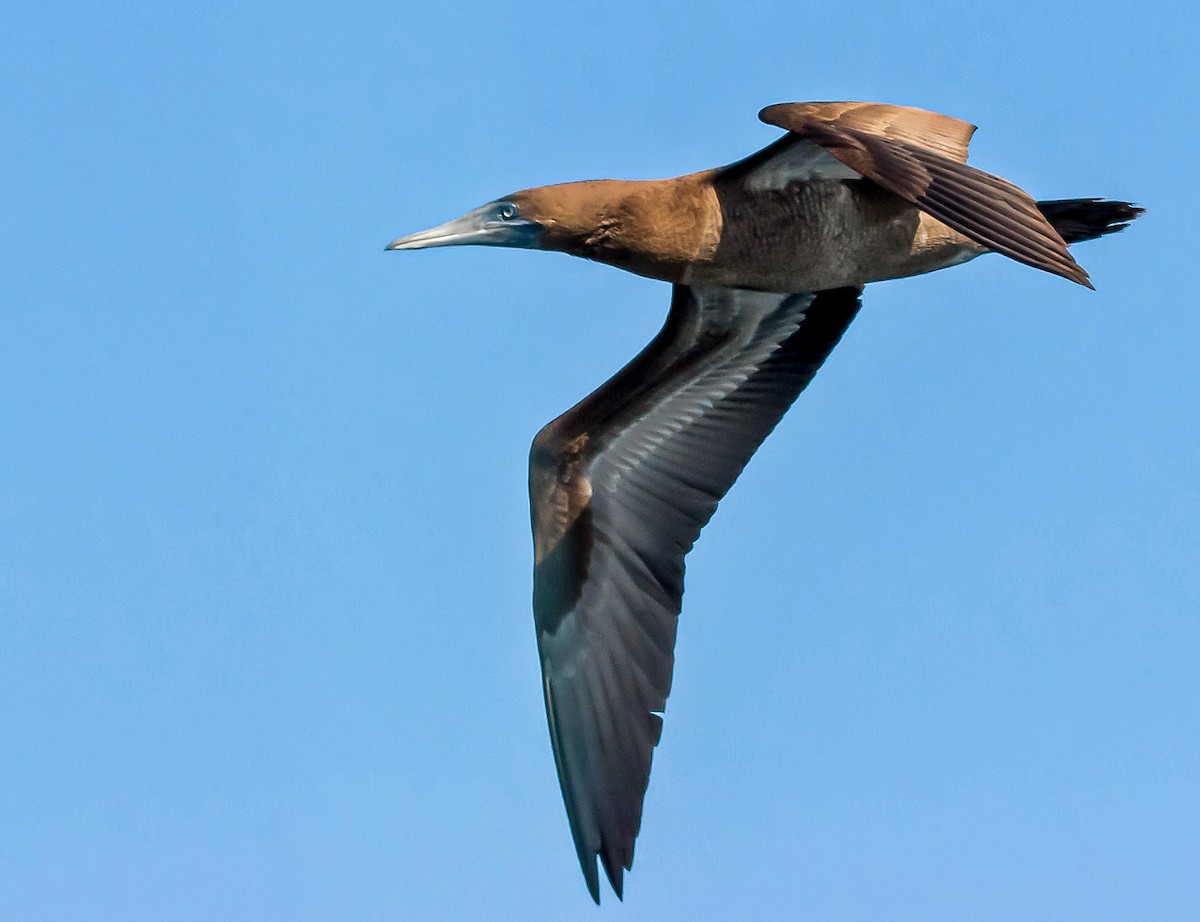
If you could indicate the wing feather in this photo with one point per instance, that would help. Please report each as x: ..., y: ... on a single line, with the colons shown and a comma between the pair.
x: 919, y: 160
x: 639, y: 467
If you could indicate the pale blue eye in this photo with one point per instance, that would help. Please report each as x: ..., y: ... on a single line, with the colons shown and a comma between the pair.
x: 507, y: 211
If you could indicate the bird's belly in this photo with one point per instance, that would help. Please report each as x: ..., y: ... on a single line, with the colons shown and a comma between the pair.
x: 819, y: 235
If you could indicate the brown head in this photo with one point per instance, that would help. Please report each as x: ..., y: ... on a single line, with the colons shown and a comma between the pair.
x: 653, y: 228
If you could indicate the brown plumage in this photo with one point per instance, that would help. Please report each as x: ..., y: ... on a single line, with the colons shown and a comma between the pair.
x: 767, y: 257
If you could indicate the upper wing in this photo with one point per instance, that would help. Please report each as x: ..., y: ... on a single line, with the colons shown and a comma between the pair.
x: 620, y: 487
x: 796, y: 159
x: 920, y: 156
x: 933, y: 131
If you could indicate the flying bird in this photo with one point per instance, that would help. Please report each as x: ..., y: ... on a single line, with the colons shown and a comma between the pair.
x: 767, y: 259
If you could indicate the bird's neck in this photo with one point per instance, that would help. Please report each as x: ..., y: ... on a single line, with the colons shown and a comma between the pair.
x: 655, y: 228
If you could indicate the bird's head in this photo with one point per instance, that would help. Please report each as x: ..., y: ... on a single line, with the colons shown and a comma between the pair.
x: 559, y: 217
x: 502, y: 223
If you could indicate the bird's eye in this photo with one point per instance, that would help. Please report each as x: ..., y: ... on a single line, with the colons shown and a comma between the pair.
x: 507, y: 211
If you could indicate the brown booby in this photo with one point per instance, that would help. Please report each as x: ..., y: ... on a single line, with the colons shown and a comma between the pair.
x: 767, y: 258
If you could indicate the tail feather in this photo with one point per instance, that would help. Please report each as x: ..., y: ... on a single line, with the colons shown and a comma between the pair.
x: 1079, y: 219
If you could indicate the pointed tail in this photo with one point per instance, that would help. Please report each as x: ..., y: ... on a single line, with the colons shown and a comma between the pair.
x: 1079, y: 219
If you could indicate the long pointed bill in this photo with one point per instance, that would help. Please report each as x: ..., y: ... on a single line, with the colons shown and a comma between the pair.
x: 481, y: 227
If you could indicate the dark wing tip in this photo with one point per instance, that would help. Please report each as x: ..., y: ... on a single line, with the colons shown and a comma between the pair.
x: 588, y: 863
x: 1074, y: 273
x: 613, y: 870
x: 1080, y: 219
x: 615, y: 873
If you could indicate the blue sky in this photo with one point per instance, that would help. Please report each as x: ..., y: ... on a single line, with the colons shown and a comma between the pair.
x: 265, y: 642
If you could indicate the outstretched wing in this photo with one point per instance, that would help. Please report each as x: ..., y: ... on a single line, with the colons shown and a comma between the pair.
x: 920, y: 156
x: 620, y: 487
